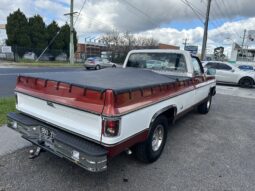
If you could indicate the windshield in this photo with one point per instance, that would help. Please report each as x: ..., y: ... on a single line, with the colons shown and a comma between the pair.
x: 158, y: 61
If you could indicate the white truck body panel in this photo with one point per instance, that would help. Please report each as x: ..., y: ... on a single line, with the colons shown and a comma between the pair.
x: 139, y: 120
x: 77, y: 121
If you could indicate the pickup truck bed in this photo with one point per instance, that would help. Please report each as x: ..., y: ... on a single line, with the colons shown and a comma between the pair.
x: 118, y: 79
x: 109, y: 92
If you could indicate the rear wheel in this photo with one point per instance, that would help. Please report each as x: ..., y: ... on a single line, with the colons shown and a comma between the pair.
x: 98, y: 67
x: 204, y: 107
x: 150, y: 150
x: 114, y: 66
x: 246, y: 82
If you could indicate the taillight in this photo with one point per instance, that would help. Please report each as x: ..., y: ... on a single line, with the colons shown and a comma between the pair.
x: 111, y: 127
x: 92, y: 62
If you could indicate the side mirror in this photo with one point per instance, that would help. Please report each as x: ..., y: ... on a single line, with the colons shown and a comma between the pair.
x: 211, y: 71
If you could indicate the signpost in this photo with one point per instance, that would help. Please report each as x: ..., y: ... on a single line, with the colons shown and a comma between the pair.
x: 6, y: 49
x: 251, y: 35
x: 191, y: 49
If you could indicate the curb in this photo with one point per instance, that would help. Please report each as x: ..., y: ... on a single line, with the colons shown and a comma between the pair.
x: 11, y: 141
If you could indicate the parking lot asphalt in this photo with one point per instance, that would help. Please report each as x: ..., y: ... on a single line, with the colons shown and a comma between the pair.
x: 8, y: 77
x: 203, y: 152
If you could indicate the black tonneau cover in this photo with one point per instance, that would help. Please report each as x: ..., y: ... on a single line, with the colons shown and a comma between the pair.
x: 117, y: 79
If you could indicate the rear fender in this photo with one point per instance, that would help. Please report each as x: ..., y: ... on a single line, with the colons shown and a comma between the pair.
x: 166, y: 110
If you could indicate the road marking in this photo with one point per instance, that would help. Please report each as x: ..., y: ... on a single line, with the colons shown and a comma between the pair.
x: 14, y: 74
x: 34, y: 72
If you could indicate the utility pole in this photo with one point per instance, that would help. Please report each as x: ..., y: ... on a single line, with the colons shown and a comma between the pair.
x: 205, y: 30
x: 185, y: 42
x: 71, y: 48
x: 244, y: 36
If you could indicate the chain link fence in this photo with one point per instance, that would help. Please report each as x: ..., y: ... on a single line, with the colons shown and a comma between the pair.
x: 116, y: 54
x: 23, y: 54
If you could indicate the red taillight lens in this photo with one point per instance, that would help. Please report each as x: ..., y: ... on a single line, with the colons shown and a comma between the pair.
x: 92, y: 61
x: 110, y: 127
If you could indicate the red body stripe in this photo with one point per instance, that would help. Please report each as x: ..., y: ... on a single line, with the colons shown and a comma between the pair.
x: 106, y: 103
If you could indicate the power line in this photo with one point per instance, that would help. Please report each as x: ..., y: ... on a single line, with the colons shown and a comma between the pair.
x: 200, y: 12
x: 141, y: 12
x: 185, y: 2
x: 224, y: 14
x: 79, y: 12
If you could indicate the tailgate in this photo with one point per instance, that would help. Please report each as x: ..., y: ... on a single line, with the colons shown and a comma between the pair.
x: 73, y: 109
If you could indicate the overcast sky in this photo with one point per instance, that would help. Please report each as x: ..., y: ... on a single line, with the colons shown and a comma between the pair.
x: 168, y: 21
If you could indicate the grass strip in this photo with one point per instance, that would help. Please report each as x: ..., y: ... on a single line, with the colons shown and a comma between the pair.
x: 6, y: 105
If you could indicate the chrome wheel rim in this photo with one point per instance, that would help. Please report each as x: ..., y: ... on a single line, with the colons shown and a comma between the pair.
x: 157, y: 137
x: 208, y: 103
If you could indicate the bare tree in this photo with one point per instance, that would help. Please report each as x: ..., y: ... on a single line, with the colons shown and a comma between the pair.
x: 121, y: 43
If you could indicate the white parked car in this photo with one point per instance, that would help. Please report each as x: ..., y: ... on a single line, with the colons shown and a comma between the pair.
x: 230, y: 74
x: 30, y: 56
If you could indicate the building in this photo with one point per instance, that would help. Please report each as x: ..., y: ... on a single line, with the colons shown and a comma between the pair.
x: 91, y: 49
x: 242, y: 56
x: 167, y: 46
x: 2, y: 34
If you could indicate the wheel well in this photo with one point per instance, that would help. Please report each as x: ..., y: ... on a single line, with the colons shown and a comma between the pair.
x: 169, y: 112
x: 246, y: 77
x: 212, y: 91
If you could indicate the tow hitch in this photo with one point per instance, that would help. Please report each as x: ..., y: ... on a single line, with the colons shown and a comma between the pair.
x: 35, y: 153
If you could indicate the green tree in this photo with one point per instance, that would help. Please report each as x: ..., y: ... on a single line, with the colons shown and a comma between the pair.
x: 52, y: 32
x: 37, y: 32
x: 17, y: 31
x: 64, y: 36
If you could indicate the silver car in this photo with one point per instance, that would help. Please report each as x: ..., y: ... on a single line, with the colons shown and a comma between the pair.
x: 97, y: 63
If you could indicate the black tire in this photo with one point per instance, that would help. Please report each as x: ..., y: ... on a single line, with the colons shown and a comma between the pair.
x: 87, y: 68
x: 145, y: 151
x: 97, y: 67
x: 246, y: 82
x: 114, y: 66
x: 204, y: 107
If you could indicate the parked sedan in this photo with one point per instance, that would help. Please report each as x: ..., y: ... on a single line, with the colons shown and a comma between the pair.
x: 97, y: 63
x: 230, y: 74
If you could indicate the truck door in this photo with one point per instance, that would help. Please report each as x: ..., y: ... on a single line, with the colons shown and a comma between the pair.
x: 201, y: 89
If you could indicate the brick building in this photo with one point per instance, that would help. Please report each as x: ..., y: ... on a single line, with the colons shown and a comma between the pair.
x: 88, y: 49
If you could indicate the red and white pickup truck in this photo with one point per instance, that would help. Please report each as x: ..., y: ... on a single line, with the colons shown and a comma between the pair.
x: 89, y: 117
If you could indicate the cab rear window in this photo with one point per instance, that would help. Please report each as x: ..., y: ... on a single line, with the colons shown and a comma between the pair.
x: 158, y: 61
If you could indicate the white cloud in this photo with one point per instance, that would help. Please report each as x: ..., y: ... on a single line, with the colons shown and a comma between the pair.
x: 144, y: 17
x: 136, y: 16
x: 224, y: 35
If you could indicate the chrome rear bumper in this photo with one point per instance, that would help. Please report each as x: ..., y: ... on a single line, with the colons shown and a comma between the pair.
x: 86, y: 154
